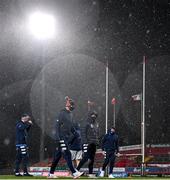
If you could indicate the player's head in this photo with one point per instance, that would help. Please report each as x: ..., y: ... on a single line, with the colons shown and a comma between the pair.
x: 25, y: 117
x: 112, y: 130
x: 70, y: 105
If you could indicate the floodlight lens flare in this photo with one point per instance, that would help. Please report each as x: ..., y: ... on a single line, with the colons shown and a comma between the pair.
x: 42, y: 26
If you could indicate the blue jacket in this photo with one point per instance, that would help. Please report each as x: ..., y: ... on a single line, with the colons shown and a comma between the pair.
x: 22, y: 132
x: 76, y: 142
x: 110, y: 142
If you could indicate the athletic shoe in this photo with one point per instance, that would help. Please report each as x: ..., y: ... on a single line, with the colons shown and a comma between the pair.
x: 101, y: 174
x: 51, y: 176
x: 111, y: 176
x: 77, y: 174
x: 27, y: 174
x: 18, y: 174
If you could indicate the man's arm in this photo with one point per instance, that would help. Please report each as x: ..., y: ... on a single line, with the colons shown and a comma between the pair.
x: 29, y: 123
x: 57, y: 126
x: 22, y: 126
x: 28, y: 128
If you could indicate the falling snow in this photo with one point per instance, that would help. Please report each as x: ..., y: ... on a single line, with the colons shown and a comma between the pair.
x: 89, y: 34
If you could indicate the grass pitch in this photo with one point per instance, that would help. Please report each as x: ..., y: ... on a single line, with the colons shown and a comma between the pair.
x: 83, y: 178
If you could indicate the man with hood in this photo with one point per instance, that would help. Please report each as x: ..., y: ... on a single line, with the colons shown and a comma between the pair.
x: 90, y: 142
x: 64, y: 135
x: 110, y: 147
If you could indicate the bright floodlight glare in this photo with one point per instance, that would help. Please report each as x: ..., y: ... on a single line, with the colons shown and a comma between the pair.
x: 41, y: 25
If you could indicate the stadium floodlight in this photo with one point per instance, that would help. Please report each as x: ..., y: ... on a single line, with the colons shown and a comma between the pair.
x: 42, y: 25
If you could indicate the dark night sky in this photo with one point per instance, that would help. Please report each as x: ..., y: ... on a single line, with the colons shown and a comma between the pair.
x: 90, y: 33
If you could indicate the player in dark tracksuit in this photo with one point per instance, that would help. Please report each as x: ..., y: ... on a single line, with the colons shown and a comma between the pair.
x: 110, y: 148
x: 64, y: 135
x: 90, y: 142
x: 22, y: 128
